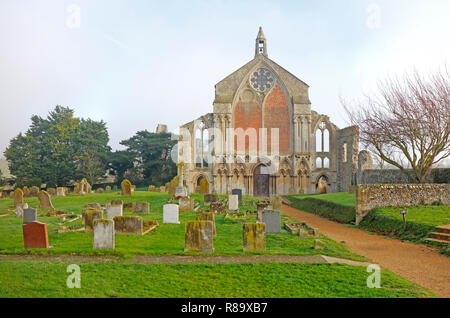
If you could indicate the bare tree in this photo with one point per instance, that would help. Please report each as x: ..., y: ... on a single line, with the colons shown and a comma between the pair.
x: 408, y: 124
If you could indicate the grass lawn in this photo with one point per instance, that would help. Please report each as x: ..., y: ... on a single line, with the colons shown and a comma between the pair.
x: 164, y: 240
x: 343, y: 198
x: 48, y: 280
x: 426, y: 215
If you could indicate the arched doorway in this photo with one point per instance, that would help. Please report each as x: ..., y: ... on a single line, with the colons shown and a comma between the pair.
x: 322, y: 185
x: 261, y: 181
x: 202, y: 185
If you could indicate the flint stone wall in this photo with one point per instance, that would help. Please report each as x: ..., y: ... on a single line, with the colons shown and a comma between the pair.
x: 369, y: 196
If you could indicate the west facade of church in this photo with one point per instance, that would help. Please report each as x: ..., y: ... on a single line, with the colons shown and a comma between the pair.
x: 264, y: 138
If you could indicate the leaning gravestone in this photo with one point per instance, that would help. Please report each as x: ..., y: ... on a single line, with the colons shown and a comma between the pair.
x: 18, y: 197
x: 170, y: 213
x: 126, y: 188
x: 272, y: 221
x: 113, y: 210
x: 238, y: 192
x: 45, y: 200
x: 186, y: 204
x: 233, y: 202
x: 88, y: 217
x: 141, y: 207
x: 103, y: 234
x: 199, y: 236
x: 254, y: 237
x: 29, y: 215
x: 19, y: 210
x: 93, y: 205
x: 210, y: 198
x: 35, y: 235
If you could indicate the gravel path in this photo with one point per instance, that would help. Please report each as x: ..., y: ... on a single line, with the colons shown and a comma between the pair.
x: 418, y: 263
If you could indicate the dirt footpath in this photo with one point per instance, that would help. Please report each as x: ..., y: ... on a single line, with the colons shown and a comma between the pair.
x: 417, y: 263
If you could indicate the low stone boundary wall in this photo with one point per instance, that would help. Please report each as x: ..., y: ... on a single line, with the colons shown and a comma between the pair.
x: 369, y: 196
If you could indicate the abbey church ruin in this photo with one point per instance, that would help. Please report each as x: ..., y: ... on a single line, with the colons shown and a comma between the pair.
x: 263, y: 137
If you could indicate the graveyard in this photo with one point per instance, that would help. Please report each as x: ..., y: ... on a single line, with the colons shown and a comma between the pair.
x: 170, y: 270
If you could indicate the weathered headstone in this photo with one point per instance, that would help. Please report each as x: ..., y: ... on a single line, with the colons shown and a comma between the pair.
x: 199, y: 236
x: 233, y: 202
x: 210, y: 198
x: 238, y: 192
x: 60, y: 192
x: 45, y: 200
x: 113, y: 210
x: 218, y: 207
x: 170, y: 213
x: 207, y: 216
x: 254, y: 237
x: 151, y: 188
x: 108, y: 189
x: 93, y: 205
x: 35, y: 235
x: 26, y: 192
x: 88, y: 218
x: 162, y: 189
x: 104, y: 234
x: 100, y: 190
x: 319, y: 245
x: 18, y: 197
x: 19, y: 210
x: 126, y: 188
x: 276, y: 203
x: 128, y: 225
x: 186, y: 204
x: 29, y: 215
x: 272, y: 221
x: 51, y: 191
x: 141, y: 207
x: 34, y: 191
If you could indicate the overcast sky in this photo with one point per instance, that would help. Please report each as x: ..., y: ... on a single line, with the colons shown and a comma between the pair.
x: 135, y: 64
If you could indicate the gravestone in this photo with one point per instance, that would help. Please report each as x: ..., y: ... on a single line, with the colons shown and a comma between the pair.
x: 207, y: 216
x: 276, y: 203
x: 170, y: 213
x: 180, y: 192
x: 29, y: 215
x: 233, y: 202
x: 19, y: 210
x: 238, y: 192
x: 88, y: 218
x: 35, y: 235
x: 128, y: 225
x: 100, y: 190
x: 26, y: 192
x: 60, y: 192
x: 51, y: 191
x: 272, y: 221
x: 254, y: 237
x: 151, y: 188
x: 162, y: 189
x: 141, y: 207
x: 103, y: 234
x: 210, y: 198
x: 34, y: 191
x: 18, y: 197
x: 108, y: 189
x: 126, y: 188
x: 45, y: 200
x: 199, y: 236
x: 186, y: 204
x: 113, y: 210
x: 93, y: 205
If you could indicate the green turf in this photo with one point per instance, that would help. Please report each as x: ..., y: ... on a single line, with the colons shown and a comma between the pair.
x: 48, y: 280
x: 343, y: 198
x: 426, y: 215
x: 166, y: 239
